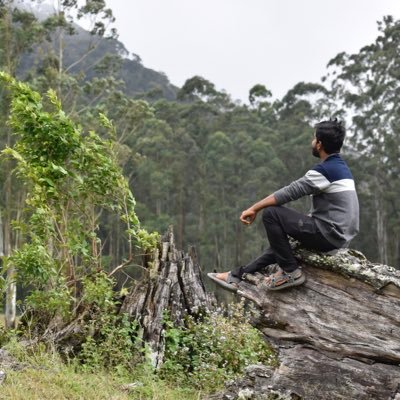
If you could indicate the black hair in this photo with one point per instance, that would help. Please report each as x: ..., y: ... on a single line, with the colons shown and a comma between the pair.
x: 331, y: 134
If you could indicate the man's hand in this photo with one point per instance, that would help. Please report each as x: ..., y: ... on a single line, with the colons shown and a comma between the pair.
x: 248, y: 216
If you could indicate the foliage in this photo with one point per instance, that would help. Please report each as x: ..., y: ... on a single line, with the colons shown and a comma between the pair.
x: 20, y: 30
x: 34, y: 264
x: 366, y: 86
x: 98, y: 291
x: 113, y: 345
x: 57, y: 300
x: 110, y: 337
x: 71, y: 177
x: 5, y: 334
x: 221, y: 158
x: 211, y: 349
x: 258, y: 92
x: 206, y: 353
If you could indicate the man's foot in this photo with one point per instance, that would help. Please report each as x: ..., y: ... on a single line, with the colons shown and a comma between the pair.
x: 281, y: 279
x: 222, y: 275
x: 226, y: 280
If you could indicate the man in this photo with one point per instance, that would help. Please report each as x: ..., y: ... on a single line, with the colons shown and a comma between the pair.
x: 332, y: 223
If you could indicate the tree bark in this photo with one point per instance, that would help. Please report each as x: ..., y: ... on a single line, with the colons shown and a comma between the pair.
x: 11, y: 291
x: 337, y: 336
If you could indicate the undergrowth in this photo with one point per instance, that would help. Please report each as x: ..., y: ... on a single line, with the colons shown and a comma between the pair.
x: 43, y: 375
x: 213, y: 348
x: 199, y: 357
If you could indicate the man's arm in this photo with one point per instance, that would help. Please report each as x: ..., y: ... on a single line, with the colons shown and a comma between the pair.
x: 313, y: 182
x: 249, y: 215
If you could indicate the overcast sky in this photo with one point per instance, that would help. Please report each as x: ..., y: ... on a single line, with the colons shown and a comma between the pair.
x: 238, y: 43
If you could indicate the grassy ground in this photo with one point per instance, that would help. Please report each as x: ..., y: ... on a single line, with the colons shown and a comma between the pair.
x: 64, y: 383
x: 46, y: 377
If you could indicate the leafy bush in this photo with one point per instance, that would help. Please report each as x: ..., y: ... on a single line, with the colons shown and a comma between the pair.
x: 34, y: 264
x: 98, y: 290
x: 47, y: 304
x: 111, y: 338
x: 213, y: 349
x: 113, y: 346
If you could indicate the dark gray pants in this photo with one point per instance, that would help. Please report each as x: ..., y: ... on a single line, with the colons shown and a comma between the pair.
x: 281, y: 222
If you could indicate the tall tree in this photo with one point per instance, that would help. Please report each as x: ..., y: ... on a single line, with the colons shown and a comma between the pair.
x: 367, y: 85
x: 19, y: 32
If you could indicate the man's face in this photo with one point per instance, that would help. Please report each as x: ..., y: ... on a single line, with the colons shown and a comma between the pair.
x: 314, y: 146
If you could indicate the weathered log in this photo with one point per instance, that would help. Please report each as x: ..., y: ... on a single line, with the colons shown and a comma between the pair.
x: 337, y: 336
x: 173, y: 285
x: 325, y: 378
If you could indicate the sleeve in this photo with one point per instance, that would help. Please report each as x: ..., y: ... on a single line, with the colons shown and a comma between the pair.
x: 313, y: 182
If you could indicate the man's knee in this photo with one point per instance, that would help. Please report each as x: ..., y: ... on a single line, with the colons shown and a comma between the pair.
x: 270, y: 213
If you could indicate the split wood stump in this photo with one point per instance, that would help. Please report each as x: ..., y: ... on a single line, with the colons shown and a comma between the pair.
x: 173, y: 285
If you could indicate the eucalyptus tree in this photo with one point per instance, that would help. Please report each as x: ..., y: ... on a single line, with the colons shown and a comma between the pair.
x: 19, y: 32
x: 368, y: 86
x: 61, y: 26
x: 219, y: 155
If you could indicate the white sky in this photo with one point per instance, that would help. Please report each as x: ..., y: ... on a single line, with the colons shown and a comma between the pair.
x: 238, y: 43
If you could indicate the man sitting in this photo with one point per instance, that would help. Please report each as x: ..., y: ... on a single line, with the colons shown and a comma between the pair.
x: 332, y: 223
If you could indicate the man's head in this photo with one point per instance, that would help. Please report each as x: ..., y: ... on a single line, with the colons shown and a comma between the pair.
x: 329, y: 137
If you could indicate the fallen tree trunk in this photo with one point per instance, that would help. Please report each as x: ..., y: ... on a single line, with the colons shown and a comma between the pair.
x: 337, y: 336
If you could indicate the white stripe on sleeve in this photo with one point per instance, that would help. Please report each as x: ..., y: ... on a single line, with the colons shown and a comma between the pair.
x: 341, y: 185
x: 317, y: 179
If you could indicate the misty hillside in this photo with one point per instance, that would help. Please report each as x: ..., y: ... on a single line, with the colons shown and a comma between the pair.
x: 137, y: 78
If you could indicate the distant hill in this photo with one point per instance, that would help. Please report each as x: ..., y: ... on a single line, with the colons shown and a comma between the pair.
x: 138, y: 79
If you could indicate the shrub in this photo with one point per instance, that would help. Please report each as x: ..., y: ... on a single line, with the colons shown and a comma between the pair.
x: 113, y: 345
x: 216, y: 347
x: 110, y: 340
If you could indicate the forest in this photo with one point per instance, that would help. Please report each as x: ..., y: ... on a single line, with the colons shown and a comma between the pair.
x: 100, y: 155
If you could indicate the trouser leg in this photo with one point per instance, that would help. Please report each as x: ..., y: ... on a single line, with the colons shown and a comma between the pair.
x: 281, y: 222
x: 278, y: 222
x: 259, y: 263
